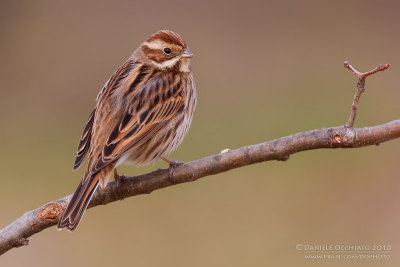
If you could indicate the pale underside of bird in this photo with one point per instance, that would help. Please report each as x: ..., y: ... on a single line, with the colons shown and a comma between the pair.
x: 142, y: 114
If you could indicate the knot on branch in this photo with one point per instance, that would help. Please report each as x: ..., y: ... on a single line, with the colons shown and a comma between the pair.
x: 21, y: 242
x: 337, y: 139
x: 283, y: 157
x: 345, y: 137
x: 50, y: 212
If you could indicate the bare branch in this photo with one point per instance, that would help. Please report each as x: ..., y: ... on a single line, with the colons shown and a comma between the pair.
x: 34, y: 221
x: 360, y: 87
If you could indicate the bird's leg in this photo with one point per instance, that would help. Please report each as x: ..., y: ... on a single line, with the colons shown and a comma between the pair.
x: 119, y: 179
x: 172, y: 165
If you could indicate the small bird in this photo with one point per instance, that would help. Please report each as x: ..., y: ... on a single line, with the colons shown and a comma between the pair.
x: 142, y: 113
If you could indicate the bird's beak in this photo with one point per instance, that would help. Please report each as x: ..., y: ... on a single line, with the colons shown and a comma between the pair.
x: 187, y: 54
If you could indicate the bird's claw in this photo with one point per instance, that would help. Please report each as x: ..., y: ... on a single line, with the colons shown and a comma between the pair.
x: 172, y: 165
x: 119, y: 180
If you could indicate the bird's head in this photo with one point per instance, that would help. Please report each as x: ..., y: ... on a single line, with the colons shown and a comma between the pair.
x: 167, y: 50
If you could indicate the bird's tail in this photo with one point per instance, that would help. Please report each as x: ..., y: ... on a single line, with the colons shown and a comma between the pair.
x: 79, y: 202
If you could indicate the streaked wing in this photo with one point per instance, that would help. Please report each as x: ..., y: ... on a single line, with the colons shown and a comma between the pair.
x: 153, y: 105
x: 84, y: 142
x: 116, y: 79
x: 112, y: 83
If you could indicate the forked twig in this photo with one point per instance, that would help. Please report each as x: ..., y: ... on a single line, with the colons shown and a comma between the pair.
x: 360, y: 88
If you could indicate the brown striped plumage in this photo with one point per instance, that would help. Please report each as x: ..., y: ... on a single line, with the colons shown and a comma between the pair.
x: 143, y: 113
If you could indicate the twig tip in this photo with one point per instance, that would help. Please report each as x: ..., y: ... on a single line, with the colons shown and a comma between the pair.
x: 383, y: 67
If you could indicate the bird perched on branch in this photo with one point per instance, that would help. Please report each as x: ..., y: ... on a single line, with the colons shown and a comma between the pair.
x: 142, y: 113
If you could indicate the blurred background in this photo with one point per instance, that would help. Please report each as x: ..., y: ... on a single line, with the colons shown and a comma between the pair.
x: 263, y: 70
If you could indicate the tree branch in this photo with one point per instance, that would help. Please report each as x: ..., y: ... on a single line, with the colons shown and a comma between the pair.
x: 34, y: 221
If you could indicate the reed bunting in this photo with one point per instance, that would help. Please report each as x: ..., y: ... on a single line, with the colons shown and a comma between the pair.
x: 142, y: 113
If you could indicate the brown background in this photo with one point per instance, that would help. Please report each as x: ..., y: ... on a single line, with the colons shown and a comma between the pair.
x: 263, y: 70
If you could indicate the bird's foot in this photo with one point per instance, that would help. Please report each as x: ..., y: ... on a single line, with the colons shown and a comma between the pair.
x: 172, y: 165
x: 119, y: 179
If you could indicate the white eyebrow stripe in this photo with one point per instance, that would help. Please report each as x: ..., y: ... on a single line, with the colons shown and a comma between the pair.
x: 155, y: 44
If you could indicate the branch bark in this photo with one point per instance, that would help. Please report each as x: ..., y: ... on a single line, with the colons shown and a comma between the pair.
x: 34, y: 221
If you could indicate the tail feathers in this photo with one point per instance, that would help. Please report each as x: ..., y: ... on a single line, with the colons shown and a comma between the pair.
x: 79, y: 202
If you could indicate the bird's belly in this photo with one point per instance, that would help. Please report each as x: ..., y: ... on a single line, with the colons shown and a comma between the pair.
x: 163, y: 142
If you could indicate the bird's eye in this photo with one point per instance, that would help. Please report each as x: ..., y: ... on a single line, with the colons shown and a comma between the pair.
x: 167, y: 51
